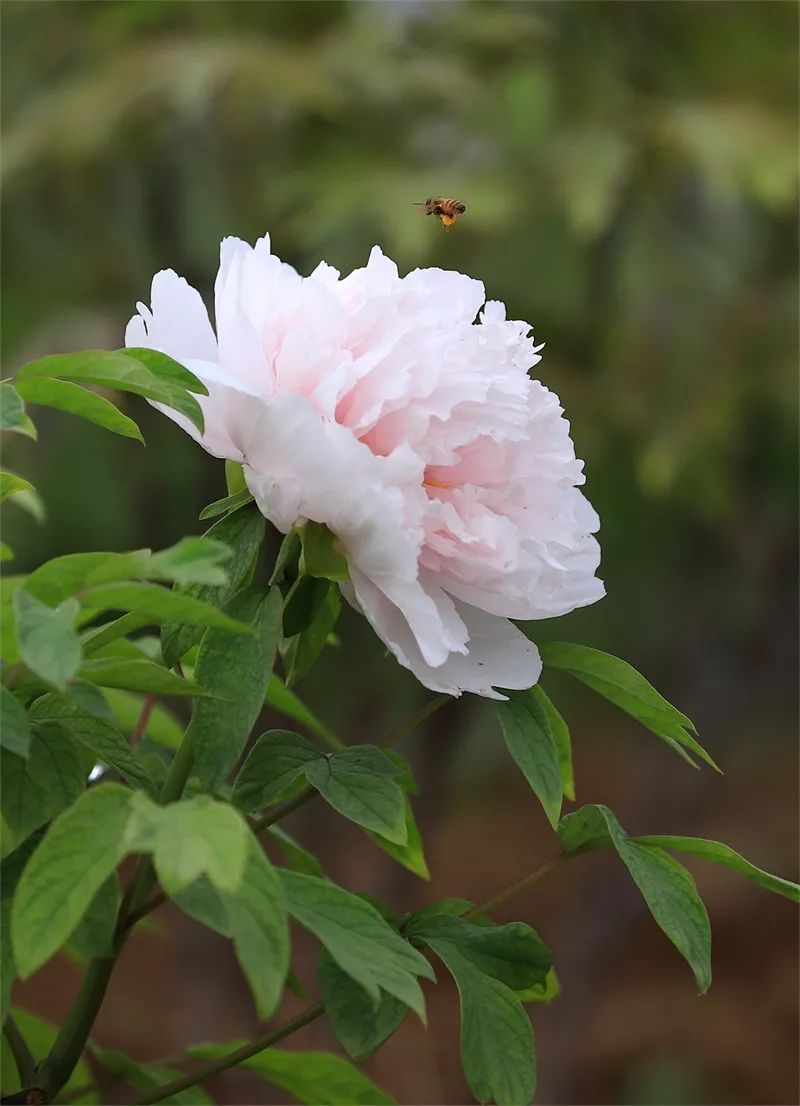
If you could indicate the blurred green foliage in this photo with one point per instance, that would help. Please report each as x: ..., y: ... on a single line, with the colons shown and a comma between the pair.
x: 629, y: 171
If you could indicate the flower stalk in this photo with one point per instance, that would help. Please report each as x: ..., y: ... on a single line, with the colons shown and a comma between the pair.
x: 231, y: 1059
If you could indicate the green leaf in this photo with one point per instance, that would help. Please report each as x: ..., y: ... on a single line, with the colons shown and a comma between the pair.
x: 260, y: 930
x: 75, y: 400
x: 280, y: 698
x: 234, y: 477
x: 6, y: 552
x: 410, y: 855
x: 166, y: 368
x: 201, y: 901
x: 319, y: 554
x: 358, y: 782
x: 277, y: 759
x: 11, y: 869
x: 526, y: 730
x: 363, y: 945
x: 46, y: 638
x: 147, y: 1077
x: 8, y: 586
x: 559, y: 731
x: 541, y: 992
x: 94, y: 935
x: 303, y: 651
x: 242, y: 533
x: 98, y: 734
x: 61, y: 577
x: 618, y: 682
x: 193, y: 560
x: 450, y: 906
x: 40, y: 1036
x: 255, y: 917
x: 124, y: 371
x: 666, y: 886
x: 305, y: 597
x: 226, y: 505
x: 287, y: 558
x: 36, y: 789
x: 77, y: 854
x: 159, y: 605
x: 497, y: 1049
x: 237, y: 670
x: 98, y: 637
x: 90, y: 699
x: 311, y: 1077
x: 12, y: 412
x: 359, y: 1025
x: 188, y: 839
x: 138, y: 675
x: 514, y: 954
x: 29, y: 501
x: 11, y: 484
x: 297, y: 858
x: 718, y: 853
x: 15, y: 730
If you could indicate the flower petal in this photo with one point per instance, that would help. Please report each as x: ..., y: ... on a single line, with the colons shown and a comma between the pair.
x: 300, y: 466
x: 498, y: 654
x: 176, y: 324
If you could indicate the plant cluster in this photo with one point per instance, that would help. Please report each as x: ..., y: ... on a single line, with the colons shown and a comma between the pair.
x: 97, y: 768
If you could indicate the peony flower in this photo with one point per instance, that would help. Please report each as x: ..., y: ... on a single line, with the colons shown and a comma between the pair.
x: 377, y: 406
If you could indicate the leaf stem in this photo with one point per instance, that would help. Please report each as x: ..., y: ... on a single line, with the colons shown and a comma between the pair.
x: 23, y: 1057
x: 415, y: 720
x: 521, y: 885
x: 144, y: 718
x: 270, y: 817
x: 230, y: 1059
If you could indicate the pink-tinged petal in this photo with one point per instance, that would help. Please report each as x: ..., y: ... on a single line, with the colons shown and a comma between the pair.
x: 302, y: 467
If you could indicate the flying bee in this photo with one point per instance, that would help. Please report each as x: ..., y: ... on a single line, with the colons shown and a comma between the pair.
x: 446, y: 210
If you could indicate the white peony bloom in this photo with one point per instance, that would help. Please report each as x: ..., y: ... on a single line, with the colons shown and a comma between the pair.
x: 377, y: 406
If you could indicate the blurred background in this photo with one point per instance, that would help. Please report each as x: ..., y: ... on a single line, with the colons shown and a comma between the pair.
x: 629, y: 171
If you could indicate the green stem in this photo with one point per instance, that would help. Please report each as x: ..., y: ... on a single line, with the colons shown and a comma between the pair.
x: 231, y: 1059
x: 179, y: 770
x: 415, y: 720
x: 270, y: 817
x: 71, y: 1040
x: 515, y: 888
x: 23, y: 1057
x: 69, y: 1044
